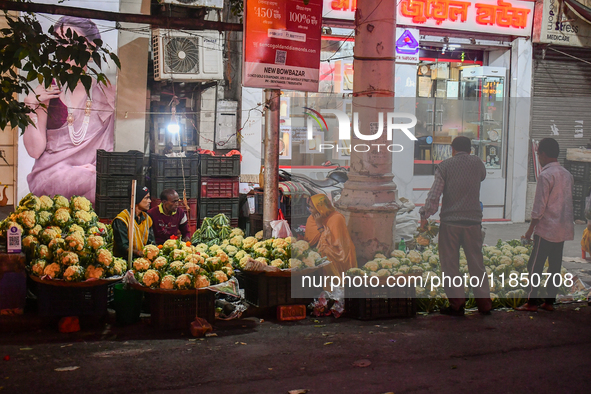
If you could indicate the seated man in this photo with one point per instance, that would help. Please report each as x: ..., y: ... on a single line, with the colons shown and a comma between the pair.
x: 169, y: 219
x: 142, y: 234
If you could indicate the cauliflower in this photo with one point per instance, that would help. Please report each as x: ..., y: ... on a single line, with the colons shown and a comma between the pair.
x: 95, y: 272
x: 159, y: 263
x: 355, y: 272
x: 75, y: 241
x: 505, y: 260
x: 231, y: 250
x: 308, y: 262
x: 178, y: 254
x: 176, y: 267
x: 183, y: 282
x: 220, y: 276
x: 427, y: 254
x: 60, y: 202
x: 95, y: 242
x: 398, y: 254
x: 69, y: 258
x: 30, y: 201
x: 194, y: 258
x: 243, y: 261
x: 167, y: 282
x: 83, y: 218
x: 61, y: 217
x: 53, y: 270
x: 35, y: 231
x: 315, y: 256
x: 371, y: 266
x: 277, y: 263
x: 395, y: 262
x: 383, y: 273
x: 151, y: 278
x: 261, y: 252
x: 300, y: 247
x: 151, y: 252
x: 104, y: 257
x: 45, y: 203
x: 248, y: 243
x: 520, y: 250
x: 38, y: 266
x: 279, y: 243
x: 43, y: 252
x: 414, y: 257
x: 379, y: 256
x: 74, y: 273
x: 169, y: 245
x: 201, y: 248
x: 434, y: 260
x: 27, y: 219
x: 30, y: 242
x: 191, y: 268
x: 44, y: 218
x: 262, y: 260
x: 201, y: 282
x: 228, y: 271
x: 222, y: 256
x: 236, y: 232
x: 141, y: 264
x: 80, y: 204
x: 386, y: 264
x: 294, y: 263
x: 118, y: 267
x: 259, y: 235
x: 236, y: 241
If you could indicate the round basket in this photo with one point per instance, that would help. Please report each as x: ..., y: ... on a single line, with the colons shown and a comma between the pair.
x: 166, y: 291
x: 86, y: 283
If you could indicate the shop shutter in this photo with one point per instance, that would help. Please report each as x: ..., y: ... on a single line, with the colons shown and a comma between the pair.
x: 561, y: 98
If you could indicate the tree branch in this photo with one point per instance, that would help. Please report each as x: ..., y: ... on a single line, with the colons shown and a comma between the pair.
x: 154, y: 21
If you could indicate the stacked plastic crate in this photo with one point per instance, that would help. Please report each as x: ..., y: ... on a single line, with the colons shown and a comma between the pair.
x: 219, y: 187
x: 114, y: 173
x: 294, y: 208
x: 180, y: 174
x: 581, y: 172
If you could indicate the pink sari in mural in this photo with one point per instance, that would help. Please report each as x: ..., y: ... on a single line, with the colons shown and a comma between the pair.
x: 64, y: 167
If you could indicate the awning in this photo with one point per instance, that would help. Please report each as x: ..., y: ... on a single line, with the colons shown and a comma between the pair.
x: 581, y: 8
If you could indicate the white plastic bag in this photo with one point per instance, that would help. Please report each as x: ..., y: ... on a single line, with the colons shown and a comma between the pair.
x: 281, y: 229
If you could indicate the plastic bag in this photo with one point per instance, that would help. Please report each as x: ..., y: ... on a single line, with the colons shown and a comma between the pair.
x: 329, y: 303
x: 280, y: 227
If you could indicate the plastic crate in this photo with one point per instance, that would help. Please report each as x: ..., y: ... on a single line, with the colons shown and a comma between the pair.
x: 581, y: 171
x: 380, y: 302
x: 178, y: 311
x: 119, y: 163
x: 581, y: 190
x: 109, y: 208
x: 291, y: 207
x: 219, y: 187
x: 256, y: 224
x: 219, y: 165
x: 116, y: 186
x: 192, y: 206
x: 579, y: 209
x: 174, y: 167
x: 161, y: 184
x: 209, y: 207
x: 267, y: 291
x: 72, y: 301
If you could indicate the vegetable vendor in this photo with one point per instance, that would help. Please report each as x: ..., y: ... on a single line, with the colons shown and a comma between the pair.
x: 143, y: 233
x: 169, y: 218
x: 327, y: 229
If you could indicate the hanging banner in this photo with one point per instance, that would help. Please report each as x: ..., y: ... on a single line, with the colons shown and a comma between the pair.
x: 282, y: 44
x: 556, y: 24
x: 511, y: 17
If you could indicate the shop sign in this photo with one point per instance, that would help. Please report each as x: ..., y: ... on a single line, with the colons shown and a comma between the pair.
x: 512, y: 17
x: 282, y: 44
x: 407, y: 45
x: 563, y: 28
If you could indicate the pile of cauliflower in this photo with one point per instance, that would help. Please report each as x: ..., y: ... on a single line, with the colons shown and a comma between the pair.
x: 504, y: 258
x: 63, y: 238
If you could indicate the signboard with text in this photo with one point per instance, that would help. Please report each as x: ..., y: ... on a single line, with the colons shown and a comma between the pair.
x: 511, y: 17
x: 562, y: 28
x: 407, y: 45
x: 282, y: 41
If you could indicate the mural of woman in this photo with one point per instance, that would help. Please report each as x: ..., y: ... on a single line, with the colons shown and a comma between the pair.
x: 67, y: 134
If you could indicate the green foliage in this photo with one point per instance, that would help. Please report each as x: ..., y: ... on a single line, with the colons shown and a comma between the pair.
x: 237, y: 8
x: 28, y: 54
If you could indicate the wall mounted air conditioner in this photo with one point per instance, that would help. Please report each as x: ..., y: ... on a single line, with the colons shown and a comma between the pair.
x: 196, y: 3
x: 180, y: 56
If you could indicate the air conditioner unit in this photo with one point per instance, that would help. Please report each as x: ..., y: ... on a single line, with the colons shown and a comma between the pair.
x: 180, y: 56
x: 196, y: 3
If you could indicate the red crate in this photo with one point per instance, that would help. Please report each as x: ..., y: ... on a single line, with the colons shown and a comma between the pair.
x: 291, y: 312
x: 192, y: 206
x: 219, y: 187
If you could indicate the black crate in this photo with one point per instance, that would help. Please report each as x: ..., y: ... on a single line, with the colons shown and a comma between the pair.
x: 178, y: 311
x: 256, y: 224
x: 209, y: 207
x: 71, y: 301
x: 190, y: 183
x: 267, y: 291
x: 219, y: 165
x: 119, y: 163
x: 380, y: 302
x: 109, y: 208
x: 581, y: 190
x: 579, y: 209
x: 290, y: 206
x: 174, y: 167
x: 116, y: 186
x: 581, y: 171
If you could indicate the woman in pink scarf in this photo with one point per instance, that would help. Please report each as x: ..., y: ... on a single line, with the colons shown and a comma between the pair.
x: 67, y: 134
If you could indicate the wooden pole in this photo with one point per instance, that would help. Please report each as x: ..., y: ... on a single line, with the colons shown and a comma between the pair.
x: 271, y: 144
x: 131, y: 227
